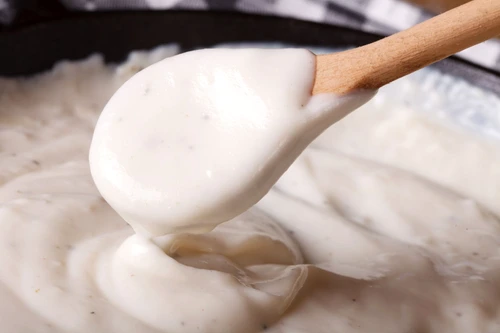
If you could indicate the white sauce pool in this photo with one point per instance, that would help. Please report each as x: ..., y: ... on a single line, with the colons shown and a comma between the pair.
x: 388, y: 222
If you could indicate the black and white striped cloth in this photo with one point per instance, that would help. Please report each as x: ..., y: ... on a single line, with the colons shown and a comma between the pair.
x: 380, y: 16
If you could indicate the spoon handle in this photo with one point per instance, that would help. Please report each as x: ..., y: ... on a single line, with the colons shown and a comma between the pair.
x: 377, y: 64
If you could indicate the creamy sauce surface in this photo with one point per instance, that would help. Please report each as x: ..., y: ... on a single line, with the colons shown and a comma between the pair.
x: 199, y: 138
x: 388, y: 222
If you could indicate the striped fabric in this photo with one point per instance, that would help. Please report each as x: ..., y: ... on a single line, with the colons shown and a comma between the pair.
x: 380, y: 16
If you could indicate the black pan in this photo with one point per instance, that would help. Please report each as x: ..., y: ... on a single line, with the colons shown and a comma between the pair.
x: 33, y: 48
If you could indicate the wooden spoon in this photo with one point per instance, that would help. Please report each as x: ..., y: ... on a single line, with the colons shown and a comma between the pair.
x: 377, y: 64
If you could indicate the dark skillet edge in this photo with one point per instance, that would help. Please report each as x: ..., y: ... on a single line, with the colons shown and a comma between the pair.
x: 34, y: 47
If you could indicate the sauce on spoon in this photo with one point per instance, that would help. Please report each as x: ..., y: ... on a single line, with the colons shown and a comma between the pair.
x: 199, y: 138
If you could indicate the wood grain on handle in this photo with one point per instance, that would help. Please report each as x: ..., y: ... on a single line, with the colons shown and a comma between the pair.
x: 375, y: 65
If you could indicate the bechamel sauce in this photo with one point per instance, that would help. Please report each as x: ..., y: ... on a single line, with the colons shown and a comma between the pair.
x: 197, y: 139
x: 388, y: 222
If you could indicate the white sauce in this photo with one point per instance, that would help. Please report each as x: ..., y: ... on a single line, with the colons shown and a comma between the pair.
x: 388, y: 222
x: 199, y: 138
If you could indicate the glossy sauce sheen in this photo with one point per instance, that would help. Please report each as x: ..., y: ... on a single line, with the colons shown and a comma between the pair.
x: 199, y: 138
x: 387, y: 222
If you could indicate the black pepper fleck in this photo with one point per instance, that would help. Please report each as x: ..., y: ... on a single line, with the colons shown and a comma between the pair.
x: 459, y: 314
x: 264, y: 327
x: 354, y: 300
x: 475, y: 253
x: 92, y: 312
x: 36, y: 162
